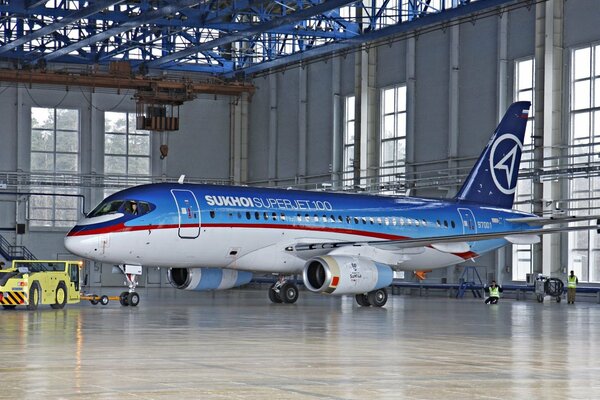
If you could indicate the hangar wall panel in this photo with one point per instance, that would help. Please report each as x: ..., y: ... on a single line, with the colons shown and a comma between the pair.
x: 581, y: 22
x: 258, y: 136
x: 287, y: 123
x: 431, y: 87
x: 478, y: 85
x: 319, y: 118
x: 391, y: 64
x: 521, y: 33
x: 201, y: 146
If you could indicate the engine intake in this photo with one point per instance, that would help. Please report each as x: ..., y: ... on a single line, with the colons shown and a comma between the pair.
x: 200, y: 279
x: 345, y: 275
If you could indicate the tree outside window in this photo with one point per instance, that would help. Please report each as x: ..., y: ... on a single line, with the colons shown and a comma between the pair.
x: 54, y: 150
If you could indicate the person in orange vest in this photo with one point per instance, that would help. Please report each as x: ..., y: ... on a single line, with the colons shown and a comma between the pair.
x: 494, y: 291
x: 572, y: 282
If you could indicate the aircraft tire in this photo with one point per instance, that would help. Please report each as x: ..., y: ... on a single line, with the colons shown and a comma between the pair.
x: 133, y: 299
x: 274, y: 296
x: 34, y: 296
x: 104, y: 300
x: 362, y: 300
x: 124, y: 299
x: 378, y: 297
x: 288, y: 293
x: 60, y: 296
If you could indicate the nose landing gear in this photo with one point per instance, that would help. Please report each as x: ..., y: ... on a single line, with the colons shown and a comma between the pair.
x: 131, y: 272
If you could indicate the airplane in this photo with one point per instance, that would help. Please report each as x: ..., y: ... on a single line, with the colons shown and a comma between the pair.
x: 214, y: 237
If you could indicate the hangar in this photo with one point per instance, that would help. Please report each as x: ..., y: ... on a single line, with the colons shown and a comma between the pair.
x: 378, y: 97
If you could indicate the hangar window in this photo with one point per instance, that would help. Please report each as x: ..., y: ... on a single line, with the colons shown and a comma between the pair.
x: 54, y: 150
x: 584, y: 246
x: 349, y: 118
x: 393, y: 136
x: 524, y: 90
x: 126, y: 149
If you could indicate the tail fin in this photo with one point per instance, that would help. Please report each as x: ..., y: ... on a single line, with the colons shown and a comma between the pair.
x: 493, y: 179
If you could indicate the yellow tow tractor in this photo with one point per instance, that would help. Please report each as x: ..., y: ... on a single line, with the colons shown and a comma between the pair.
x: 34, y: 282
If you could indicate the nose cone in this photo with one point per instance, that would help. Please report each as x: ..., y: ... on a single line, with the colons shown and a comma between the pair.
x: 78, y: 245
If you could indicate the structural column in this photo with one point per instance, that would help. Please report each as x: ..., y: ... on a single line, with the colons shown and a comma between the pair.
x: 238, y: 126
x: 272, y: 163
x: 547, y: 135
x: 302, y: 123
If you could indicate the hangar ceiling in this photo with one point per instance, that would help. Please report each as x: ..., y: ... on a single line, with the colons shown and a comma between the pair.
x: 224, y: 38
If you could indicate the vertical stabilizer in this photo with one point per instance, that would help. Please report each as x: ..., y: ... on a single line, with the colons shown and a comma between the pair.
x: 493, y: 179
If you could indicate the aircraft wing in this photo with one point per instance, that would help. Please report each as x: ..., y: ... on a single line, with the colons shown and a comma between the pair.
x: 539, y: 221
x: 451, y: 244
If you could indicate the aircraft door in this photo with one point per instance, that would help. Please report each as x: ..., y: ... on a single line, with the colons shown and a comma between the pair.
x: 189, y: 213
x: 469, y: 224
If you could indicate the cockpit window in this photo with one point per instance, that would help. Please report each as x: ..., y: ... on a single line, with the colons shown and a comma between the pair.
x: 106, y: 208
x: 128, y: 207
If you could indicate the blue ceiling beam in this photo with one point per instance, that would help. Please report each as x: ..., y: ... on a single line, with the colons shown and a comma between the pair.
x: 48, y: 29
x: 402, y: 27
x: 253, y: 30
x: 143, y: 18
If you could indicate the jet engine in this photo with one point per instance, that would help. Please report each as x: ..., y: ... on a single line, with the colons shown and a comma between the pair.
x: 345, y: 275
x: 207, y: 278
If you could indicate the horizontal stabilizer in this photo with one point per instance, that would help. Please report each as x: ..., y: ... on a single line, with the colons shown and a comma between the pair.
x: 540, y: 221
x: 457, y: 247
x: 522, y: 239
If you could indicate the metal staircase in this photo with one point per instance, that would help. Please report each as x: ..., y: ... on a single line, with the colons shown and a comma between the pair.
x: 467, y: 282
x: 11, y: 252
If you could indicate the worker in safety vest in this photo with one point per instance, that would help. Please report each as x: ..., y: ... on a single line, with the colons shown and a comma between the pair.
x: 572, y: 282
x: 494, y: 291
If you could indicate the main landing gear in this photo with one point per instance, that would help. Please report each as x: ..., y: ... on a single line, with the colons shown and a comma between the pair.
x: 283, y: 291
x: 130, y: 297
x: 376, y: 298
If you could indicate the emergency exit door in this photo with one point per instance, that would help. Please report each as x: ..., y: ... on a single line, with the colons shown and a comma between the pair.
x: 469, y: 224
x: 189, y: 213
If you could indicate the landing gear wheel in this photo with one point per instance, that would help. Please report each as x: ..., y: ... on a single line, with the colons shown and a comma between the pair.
x: 540, y: 298
x: 61, y: 296
x: 273, y: 295
x: 34, y: 296
x: 8, y: 306
x: 104, y: 300
x: 288, y: 293
x: 133, y: 299
x: 362, y: 300
x: 378, y: 297
x: 124, y: 299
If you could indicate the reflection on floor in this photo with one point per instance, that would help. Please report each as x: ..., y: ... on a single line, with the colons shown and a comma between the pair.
x: 235, y: 344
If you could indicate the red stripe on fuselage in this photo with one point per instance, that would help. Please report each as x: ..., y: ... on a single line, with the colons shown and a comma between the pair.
x: 120, y: 227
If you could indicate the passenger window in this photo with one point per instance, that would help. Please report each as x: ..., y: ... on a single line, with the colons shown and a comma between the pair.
x: 409, y: 221
x: 424, y: 222
x: 266, y: 216
x: 364, y: 220
x: 417, y: 222
x: 453, y: 224
x: 316, y: 218
x: 324, y: 218
x: 438, y: 223
x: 212, y: 214
x: 282, y: 215
x: 379, y: 220
x: 387, y: 221
x: 307, y: 217
x: 299, y: 217
x: 248, y: 215
x: 394, y: 221
x: 445, y: 224
x: 401, y: 221
x: 356, y: 220
x: 274, y: 215
x: 340, y: 219
x: 257, y: 215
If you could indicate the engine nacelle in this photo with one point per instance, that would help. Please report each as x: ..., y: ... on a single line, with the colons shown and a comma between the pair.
x: 345, y: 275
x: 207, y: 278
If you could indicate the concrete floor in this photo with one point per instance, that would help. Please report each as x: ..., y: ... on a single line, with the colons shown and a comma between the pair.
x: 236, y: 345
